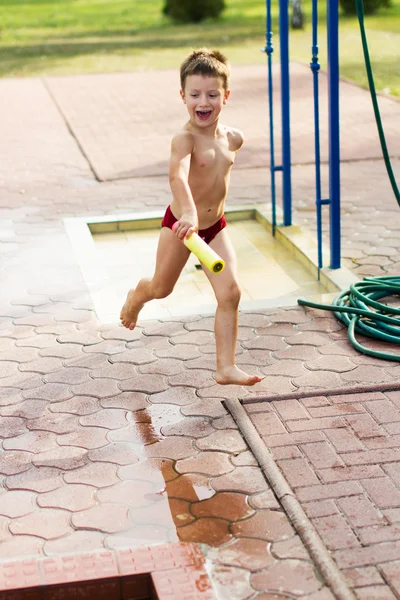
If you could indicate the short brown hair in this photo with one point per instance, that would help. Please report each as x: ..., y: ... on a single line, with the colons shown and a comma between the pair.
x: 205, y: 62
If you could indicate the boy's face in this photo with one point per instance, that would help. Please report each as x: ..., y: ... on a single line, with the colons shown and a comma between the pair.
x: 204, y: 97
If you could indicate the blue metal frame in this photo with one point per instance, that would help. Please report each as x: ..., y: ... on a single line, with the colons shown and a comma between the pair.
x: 334, y: 139
x: 269, y: 50
x: 334, y: 136
x: 285, y: 168
x: 285, y: 103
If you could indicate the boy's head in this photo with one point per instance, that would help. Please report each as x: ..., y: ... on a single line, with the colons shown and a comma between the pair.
x: 205, y: 62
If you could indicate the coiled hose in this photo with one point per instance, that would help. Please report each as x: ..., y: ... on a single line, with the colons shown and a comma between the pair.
x: 359, y: 308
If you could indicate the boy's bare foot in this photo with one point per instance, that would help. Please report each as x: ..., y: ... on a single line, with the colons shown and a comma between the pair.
x: 130, y: 311
x: 234, y: 375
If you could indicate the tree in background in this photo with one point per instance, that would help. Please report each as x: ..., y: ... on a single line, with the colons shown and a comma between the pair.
x: 370, y: 6
x: 297, y: 20
x: 193, y: 11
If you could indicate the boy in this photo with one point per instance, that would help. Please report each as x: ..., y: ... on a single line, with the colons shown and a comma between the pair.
x: 202, y: 155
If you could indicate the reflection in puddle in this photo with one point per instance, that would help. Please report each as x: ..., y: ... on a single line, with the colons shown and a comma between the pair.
x: 157, y: 496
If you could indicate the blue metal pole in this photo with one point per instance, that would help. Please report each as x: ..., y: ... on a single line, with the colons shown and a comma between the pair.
x: 334, y: 137
x: 285, y: 102
x: 269, y: 50
x: 315, y: 66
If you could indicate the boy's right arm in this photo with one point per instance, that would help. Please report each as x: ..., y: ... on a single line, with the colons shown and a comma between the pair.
x: 181, y: 152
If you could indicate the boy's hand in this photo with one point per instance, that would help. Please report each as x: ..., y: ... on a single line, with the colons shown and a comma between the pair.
x: 185, y: 226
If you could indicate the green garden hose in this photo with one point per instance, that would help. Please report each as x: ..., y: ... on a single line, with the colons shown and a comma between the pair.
x: 360, y: 15
x: 360, y: 310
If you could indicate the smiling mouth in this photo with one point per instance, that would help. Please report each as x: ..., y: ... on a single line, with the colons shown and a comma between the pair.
x: 203, y: 114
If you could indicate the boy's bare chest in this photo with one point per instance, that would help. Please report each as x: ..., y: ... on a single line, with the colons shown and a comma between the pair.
x: 211, y: 156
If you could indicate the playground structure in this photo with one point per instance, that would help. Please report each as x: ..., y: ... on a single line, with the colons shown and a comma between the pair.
x: 333, y: 117
x: 334, y: 143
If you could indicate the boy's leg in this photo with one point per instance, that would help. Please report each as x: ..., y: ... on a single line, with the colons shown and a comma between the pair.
x: 172, y: 256
x: 227, y: 292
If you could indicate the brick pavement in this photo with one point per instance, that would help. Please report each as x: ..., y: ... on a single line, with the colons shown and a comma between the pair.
x: 96, y: 454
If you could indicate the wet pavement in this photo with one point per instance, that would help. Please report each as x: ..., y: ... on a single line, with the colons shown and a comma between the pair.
x: 116, y: 440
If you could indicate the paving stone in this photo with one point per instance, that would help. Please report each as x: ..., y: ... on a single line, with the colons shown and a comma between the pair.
x: 57, y: 423
x: 66, y: 458
x: 51, y: 392
x: 297, y: 472
x: 131, y: 401
x: 176, y: 395
x: 33, y: 441
x: 8, y: 368
x: 321, y: 455
x: 379, y: 533
x: 21, y: 546
x: 265, y: 499
x: 116, y: 453
x: 108, y: 518
x: 196, y: 427
x: 208, y: 407
x: 242, y: 479
x: 164, y: 366
x: 382, y: 492
x: 80, y: 405
x: 133, y: 494
x: 376, y: 592
x: 45, y: 366
x: 141, y: 536
x: 175, y: 448
x: 291, y: 548
x: 196, y: 378
x: 330, y: 490
x: 72, y: 376
x: 233, y: 582
x: 321, y: 508
x: 363, y: 576
x: 184, y: 352
x: 290, y: 575
x: 335, y: 532
x: 47, y: 523
x: 345, y: 473
x: 37, y: 479
x: 267, y: 525
x: 207, y: 463
x: 392, y: 574
x: 247, y: 554
x: 192, y: 488
x: 12, y: 426
x: 344, y: 440
x: 61, y: 351
x: 14, y: 462
x: 225, y: 505
x: 28, y: 409
x: 180, y: 511
x: 159, y: 470
x: 224, y: 423
x: 225, y: 441
x: 96, y: 474
x: 104, y: 388
x: 370, y: 555
x: 284, y: 452
x: 267, y: 423
x: 139, y: 434
x: 17, y: 503
x: 213, y: 532
x: 108, y: 418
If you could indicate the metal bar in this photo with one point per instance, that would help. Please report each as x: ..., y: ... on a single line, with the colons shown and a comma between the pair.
x: 315, y: 66
x: 285, y: 102
x: 269, y: 50
x: 334, y: 136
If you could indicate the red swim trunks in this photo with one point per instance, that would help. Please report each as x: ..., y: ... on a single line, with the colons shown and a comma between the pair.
x: 206, y: 234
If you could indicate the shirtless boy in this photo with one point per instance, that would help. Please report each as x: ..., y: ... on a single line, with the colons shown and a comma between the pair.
x: 202, y: 155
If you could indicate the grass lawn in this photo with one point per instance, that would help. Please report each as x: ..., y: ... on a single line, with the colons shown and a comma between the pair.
x: 49, y: 37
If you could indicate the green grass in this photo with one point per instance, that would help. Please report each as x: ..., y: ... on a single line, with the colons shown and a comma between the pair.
x: 53, y: 37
